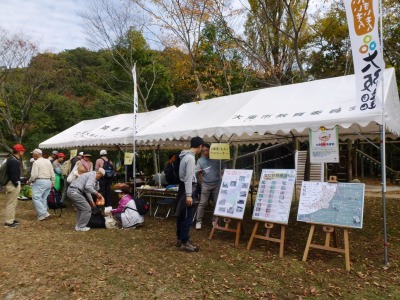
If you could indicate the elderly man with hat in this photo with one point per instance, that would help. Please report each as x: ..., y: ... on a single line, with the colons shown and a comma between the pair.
x: 80, y: 192
x: 42, y: 177
x: 13, y: 186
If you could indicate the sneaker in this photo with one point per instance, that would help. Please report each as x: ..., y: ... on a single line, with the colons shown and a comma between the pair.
x: 16, y: 222
x: 82, y: 228
x: 188, y: 247
x: 42, y: 218
x: 12, y: 225
x: 47, y: 214
x: 198, y: 225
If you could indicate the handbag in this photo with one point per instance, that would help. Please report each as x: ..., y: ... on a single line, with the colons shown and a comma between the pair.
x: 97, y: 219
x: 111, y: 223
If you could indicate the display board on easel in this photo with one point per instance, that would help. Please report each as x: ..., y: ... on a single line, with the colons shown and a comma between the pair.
x: 231, y: 201
x: 232, y: 197
x: 332, y: 205
x: 274, y: 198
x: 335, y: 204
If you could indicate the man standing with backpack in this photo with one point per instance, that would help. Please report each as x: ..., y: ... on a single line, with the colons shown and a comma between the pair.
x: 187, y: 185
x: 106, y: 180
x: 13, y: 185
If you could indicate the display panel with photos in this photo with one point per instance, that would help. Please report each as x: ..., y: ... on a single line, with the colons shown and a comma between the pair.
x: 274, y: 195
x: 233, y: 193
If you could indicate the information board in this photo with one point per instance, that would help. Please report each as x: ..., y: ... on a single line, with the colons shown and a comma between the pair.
x: 128, y: 158
x: 337, y: 204
x: 233, y: 193
x: 274, y: 196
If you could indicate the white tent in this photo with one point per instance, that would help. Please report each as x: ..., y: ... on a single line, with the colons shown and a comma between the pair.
x: 102, y: 132
x: 267, y: 115
x: 279, y: 113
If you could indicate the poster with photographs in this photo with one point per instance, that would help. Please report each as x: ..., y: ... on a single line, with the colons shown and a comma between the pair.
x: 274, y: 196
x: 233, y: 193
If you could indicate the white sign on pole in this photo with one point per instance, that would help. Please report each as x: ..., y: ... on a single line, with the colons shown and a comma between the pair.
x: 233, y: 193
x: 324, y: 145
x: 274, y: 196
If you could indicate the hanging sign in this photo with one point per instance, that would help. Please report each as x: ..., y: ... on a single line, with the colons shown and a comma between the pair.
x: 220, y: 151
x: 128, y: 158
x: 324, y: 145
x: 73, y: 153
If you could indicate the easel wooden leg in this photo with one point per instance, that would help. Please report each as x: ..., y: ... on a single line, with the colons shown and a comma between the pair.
x: 309, y: 240
x: 282, y: 242
x: 214, y: 227
x: 238, y: 233
x: 250, y: 243
x: 346, y: 248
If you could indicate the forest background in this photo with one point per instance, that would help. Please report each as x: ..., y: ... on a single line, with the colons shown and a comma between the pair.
x: 185, y: 50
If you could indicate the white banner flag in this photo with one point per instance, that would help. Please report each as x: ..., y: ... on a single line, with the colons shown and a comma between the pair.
x: 363, y: 17
x: 135, y: 99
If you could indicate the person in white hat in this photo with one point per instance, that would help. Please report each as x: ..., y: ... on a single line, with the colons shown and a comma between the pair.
x: 80, y: 192
x: 105, y: 182
x: 42, y: 178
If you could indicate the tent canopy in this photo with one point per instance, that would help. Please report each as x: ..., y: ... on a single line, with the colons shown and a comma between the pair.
x: 102, y: 132
x: 268, y: 115
x: 280, y: 113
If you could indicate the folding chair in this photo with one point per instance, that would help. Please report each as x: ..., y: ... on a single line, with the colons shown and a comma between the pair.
x: 168, y: 203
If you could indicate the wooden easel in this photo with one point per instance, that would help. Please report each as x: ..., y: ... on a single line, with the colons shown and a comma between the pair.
x: 329, y: 230
x: 267, y: 236
x: 227, y: 228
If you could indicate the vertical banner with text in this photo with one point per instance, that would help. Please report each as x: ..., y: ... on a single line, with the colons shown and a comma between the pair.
x: 362, y: 18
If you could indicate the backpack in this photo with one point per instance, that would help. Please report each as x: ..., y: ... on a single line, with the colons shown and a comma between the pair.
x: 142, y: 206
x: 66, y: 168
x: 3, y: 174
x: 109, y: 168
x: 172, y: 171
x: 54, y: 200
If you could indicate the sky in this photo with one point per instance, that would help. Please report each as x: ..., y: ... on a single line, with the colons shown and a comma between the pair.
x: 54, y: 24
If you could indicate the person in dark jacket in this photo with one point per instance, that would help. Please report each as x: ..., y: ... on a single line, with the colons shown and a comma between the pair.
x: 187, y: 185
x: 13, y: 186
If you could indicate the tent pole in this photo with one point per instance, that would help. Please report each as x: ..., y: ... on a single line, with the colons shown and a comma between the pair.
x: 383, y: 143
x: 126, y: 168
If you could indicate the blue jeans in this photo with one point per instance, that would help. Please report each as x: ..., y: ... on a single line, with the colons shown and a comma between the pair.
x: 183, y: 223
x: 40, y: 191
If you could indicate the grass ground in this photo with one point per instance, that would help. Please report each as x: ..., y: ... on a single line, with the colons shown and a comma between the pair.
x: 49, y: 260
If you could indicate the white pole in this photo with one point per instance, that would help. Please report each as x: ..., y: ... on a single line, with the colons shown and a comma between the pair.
x: 383, y: 146
x: 135, y: 110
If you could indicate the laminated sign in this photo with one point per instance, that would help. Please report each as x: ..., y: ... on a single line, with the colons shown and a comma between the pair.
x: 324, y: 145
x: 128, y: 158
x: 220, y: 151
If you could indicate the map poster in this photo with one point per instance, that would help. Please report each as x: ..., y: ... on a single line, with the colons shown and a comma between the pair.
x: 324, y: 145
x: 336, y: 204
x: 274, y: 196
x: 233, y: 193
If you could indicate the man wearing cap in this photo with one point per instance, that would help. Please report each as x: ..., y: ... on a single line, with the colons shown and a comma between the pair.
x: 75, y: 159
x: 13, y: 186
x: 105, y: 182
x: 42, y: 177
x: 80, y: 192
x: 53, y: 156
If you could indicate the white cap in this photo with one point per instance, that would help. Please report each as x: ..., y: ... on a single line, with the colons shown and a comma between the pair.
x: 102, y: 171
x: 118, y: 191
x: 80, y: 153
x: 37, y: 151
x: 103, y: 152
x: 55, y: 152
